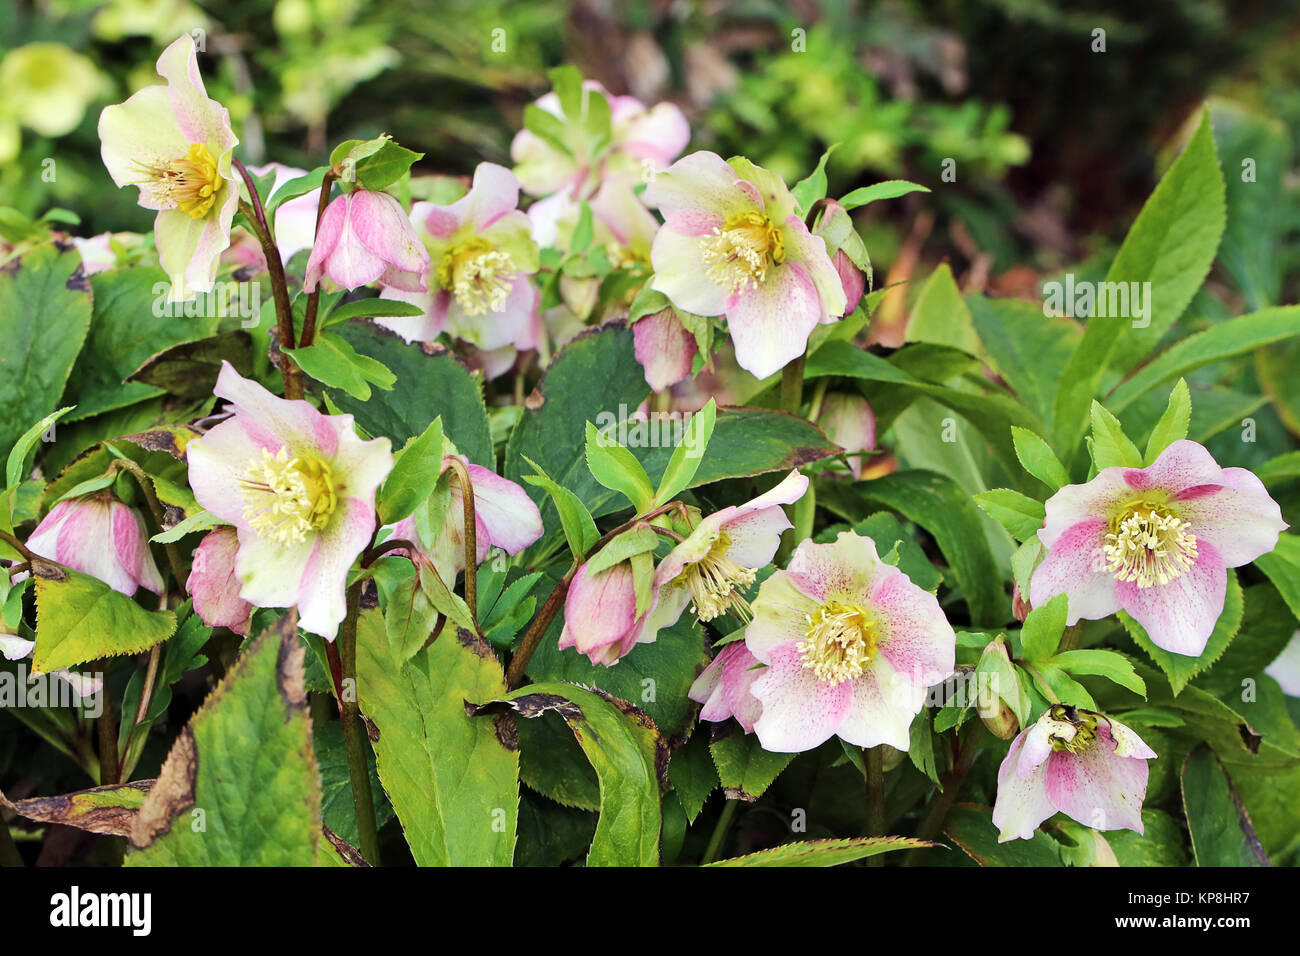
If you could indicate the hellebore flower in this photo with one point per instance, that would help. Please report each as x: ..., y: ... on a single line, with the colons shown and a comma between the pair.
x: 480, y: 254
x: 1088, y: 766
x: 215, y: 585
x: 100, y: 536
x: 600, y: 618
x: 365, y: 236
x: 725, y: 687
x: 733, y: 244
x: 1155, y: 542
x: 665, y: 348
x: 720, y: 557
x: 176, y: 145
x: 851, y: 645
x: 849, y: 421
x: 299, y: 487
x: 504, y: 517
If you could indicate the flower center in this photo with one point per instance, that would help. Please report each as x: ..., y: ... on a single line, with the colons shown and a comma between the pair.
x: 739, y: 253
x: 1085, y: 728
x: 1150, y: 546
x: 287, y: 497
x: 841, y: 642
x: 478, y: 276
x: 714, y: 581
x: 190, y: 184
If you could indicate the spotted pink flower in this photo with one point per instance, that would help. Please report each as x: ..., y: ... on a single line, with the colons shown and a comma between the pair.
x: 1155, y: 542
x: 850, y: 644
x: 365, y: 237
x: 726, y: 687
x: 664, y: 347
x: 1088, y: 766
x: 214, y: 584
x: 299, y: 488
x: 100, y: 536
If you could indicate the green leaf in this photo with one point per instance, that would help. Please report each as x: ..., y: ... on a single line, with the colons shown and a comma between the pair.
x: 579, y: 528
x: 453, y: 779
x: 745, y: 769
x: 1160, y: 844
x: 19, y: 461
x: 444, y: 600
x: 409, y: 619
x: 1028, y: 349
x: 1282, y: 565
x: 414, y: 474
x: 369, y: 308
x: 629, y: 758
x: 693, y: 775
x: 940, y: 315
x: 1180, y: 668
x: 687, y: 456
x: 824, y: 852
x: 1221, y: 831
x: 1173, y: 424
x: 338, y: 810
x: 813, y: 186
x: 889, y: 189
x: 1037, y: 458
x: 1021, y: 515
x: 298, y: 186
x: 637, y: 540
x: 1110, y: 446
x: 245, y: 756
x: 971, y: 828
x: 43, y: 324
x: 1171, y: 245
x: 429, y: 384
x: 1043, y: 627
x: 385, y: 166
x: 333, y: 362
x: 618, y: 470
x: 80, y: 619
x: 1102, y: 663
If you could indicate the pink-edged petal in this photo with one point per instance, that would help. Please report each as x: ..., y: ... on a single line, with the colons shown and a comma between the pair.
x: 1075, y: 565
x: 917, y: 639
x: 840, y: 571
x: 697, y: 193
x: 322, y: 603
x: 191, y: 248
x: 809, y: 252
x: 680, y: 274
x: 13, y: 648
x: 1125, y: 741
x: 1037, y: 742
x: 512, y: 520
x: 659, y: 134
x: 755, y: 527
x: 1238, y: 517
x: 330, y: 230
x: 884, y: 703
x: 664, y: 348
x: 770, y: 322
x: 131, y: 546
x: 1180, y: 616
x: 800, y: 712
x: 1184, y: 464
x: 1098, y: 498
x: 86, y: 544
x: 44, y: 541
x: 270, y: 573
x: 725, y: 687
x: 201, y: 120
x: 213, y: 583
x: 273, y: 422
x: 781, y: 614
x: 382, y: 226
x: 849, y: 421
x: 218, y: 461
x: 494, y: 193
x: 599, y: 610
x: 1022, y: 803
x: 1097, y: 788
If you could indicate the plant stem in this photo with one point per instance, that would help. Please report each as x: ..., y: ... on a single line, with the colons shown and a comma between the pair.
x: 720, y: 830
x: 146, y: 698
x: 108, y: 759
x: 9, y: 855
x: 313, y: 297
x: 792, y: 385
x: 1070, y: 638
x: 353, y: 731
x: 279, y: 284
x: 874, y: 759
x: 155, y: 508
x: 537, y: 630
x: 937, y: 811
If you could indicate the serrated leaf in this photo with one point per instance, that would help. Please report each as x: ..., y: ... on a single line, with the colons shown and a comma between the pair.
x: 1037, y: 458
x: 1021, y: 515
x: 415, y: 472
x: 688, y: 454
x: 618, y: 470
x: 825, y: 852
x: 1110, y: 446
x: 1180, y: 668
x: 1100, y: 662
x: 1173, y: 424
x: 745, y: 769
x: 1041, y: 633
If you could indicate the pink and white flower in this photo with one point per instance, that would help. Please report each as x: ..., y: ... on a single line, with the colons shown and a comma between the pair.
x: 665, y: 348
x: 480, y: 255
x: 1155, y: 542
x: 299, y: 488
x: 504, y: 517
x: 1088, y: 766
x: 214, y: 584
x: 850, y: 644
x: 600, y: 618
x: 176, y: 145
x: 733, y: 243
x: 848, y: 421
x: 365, y: 237
x: 100, y: 536
x: 726, y: 687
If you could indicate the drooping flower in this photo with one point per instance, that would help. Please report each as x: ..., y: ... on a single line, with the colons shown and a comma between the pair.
x: 100, y: 536
x: 733, y: 244
x: 725, y: 687
x: 848, y: 421
x: 365, y: 237
x: 299, y: 488
x: 504, y: 517
x: 600, y: 618
x: 176, y: 145
x: 481, y: 254
x: 1155, y: 542
x: 1088, y: 766
x: 214, y: 584
x: 851, y: 645
x: 711, y: 568
x: 664, y: 347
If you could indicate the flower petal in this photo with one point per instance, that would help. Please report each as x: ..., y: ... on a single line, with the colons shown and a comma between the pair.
x: 664, y: 348
x: 1022, y: 803
x: 1238, y: 517
x: 918, y: 642
x: 213, y: 583
x: 1097, y: 788
x: 781, y: 614
x: 884, y: 703
x: 697, y: 193
x: 800, y: 712
x: 770, y: 322
x: 512, y: 520
x: 1180, y: 616
x: 322, y: 590
x: 680, y: 274
x: 1075, y: 565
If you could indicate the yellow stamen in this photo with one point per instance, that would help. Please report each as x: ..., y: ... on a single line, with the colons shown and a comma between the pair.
x: 1149, y: 545
x: 1085, y: 728
x: 714, y: 581
x: 285, y: 497
x: 190, y: 184
x: 479, y: 276
x: 841, y: 642
x: 740, y: 252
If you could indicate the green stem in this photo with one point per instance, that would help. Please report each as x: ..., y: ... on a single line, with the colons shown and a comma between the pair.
x: 874, y: 758
x: 1070, y: 638
x: 792, y: 385
x: 720, y: 830
x: 353, y: 731
x: 9, y: 855
x: 937, y: 812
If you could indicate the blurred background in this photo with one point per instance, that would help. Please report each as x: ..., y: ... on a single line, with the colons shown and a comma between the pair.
x: 1055, y: 142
